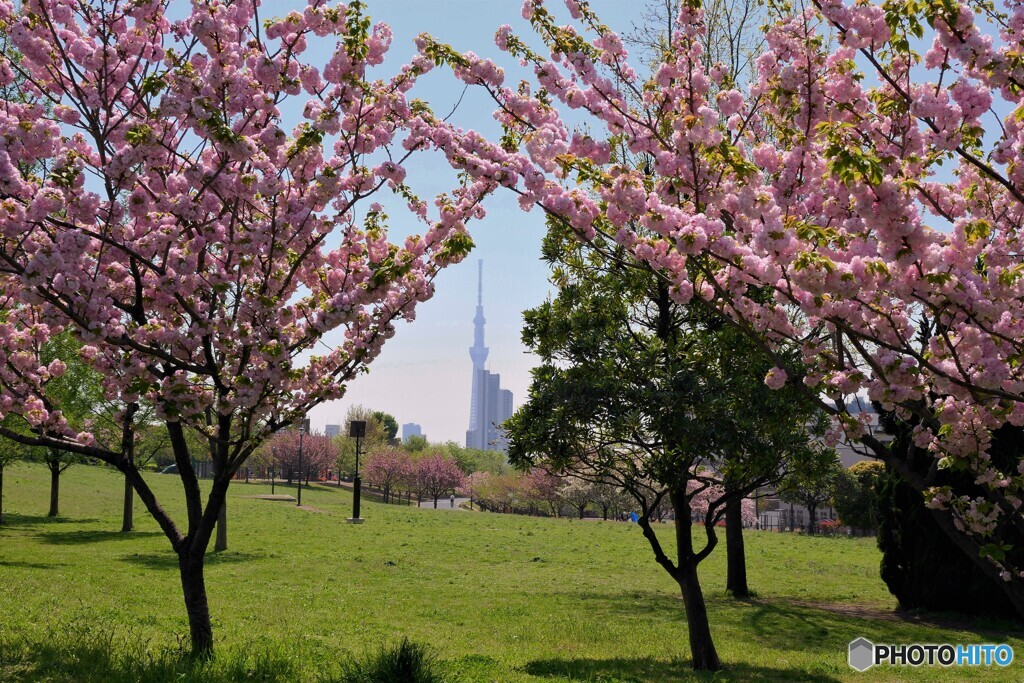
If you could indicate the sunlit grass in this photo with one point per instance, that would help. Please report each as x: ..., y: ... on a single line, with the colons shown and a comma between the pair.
x: 493, y: 597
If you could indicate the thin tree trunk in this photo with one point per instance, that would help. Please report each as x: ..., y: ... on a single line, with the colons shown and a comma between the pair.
x: 702, y: 647
x: 736, y: 560
x: 54, y: 491
x: 196, y: 605
x: 222, y: 529
x: 811, y: 510
x: 127, y: 513
x: 1, y: 493
x: 435, y: 503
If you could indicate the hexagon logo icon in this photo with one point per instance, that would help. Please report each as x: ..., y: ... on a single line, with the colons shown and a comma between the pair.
x: 862, y: 654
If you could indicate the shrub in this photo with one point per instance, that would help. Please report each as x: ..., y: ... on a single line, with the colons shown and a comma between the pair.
x: 407, y: 662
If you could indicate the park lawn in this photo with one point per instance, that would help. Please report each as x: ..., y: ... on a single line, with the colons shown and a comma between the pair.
x: 495, y: 597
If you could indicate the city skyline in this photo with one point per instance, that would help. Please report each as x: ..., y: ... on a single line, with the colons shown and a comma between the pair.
x: 423, y: 374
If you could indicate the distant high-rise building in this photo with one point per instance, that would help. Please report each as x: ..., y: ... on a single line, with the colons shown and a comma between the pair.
x: 490, y: 405
x: 409, y: 430
x: 332, y: 430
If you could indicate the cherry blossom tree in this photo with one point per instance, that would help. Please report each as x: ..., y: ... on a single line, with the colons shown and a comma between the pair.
x: 318, y: 453
x: 543, y: 488
x: 873, y: 190
x: 578, y: 493
x: 190, y: 199
x: 386, y: 468
x: 437, y: 475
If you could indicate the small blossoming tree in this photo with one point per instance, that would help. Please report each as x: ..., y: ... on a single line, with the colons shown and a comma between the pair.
x: 164, y: 200
x: 318, y: 453
x: 387, y: 468
x: 437, y: 475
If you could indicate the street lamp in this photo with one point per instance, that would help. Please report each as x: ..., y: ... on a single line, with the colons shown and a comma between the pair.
x: 303, y: 428
x: 356, y: 430
x: 273, y: 459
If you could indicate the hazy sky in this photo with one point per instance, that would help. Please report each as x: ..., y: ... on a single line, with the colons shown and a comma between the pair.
x: 424, y: 373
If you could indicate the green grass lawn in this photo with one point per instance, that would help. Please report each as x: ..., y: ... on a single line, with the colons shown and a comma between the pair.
x: 495, y: 597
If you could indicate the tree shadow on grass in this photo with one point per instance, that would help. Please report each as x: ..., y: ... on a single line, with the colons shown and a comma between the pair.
x: 168, y: 560
x: 14, y: 521
x: 648, y: 670
x: 30, y: 565
x: 785, y: 626
x: 83, y: 537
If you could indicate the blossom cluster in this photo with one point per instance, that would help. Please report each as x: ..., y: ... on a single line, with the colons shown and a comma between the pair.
x: 214, y: 250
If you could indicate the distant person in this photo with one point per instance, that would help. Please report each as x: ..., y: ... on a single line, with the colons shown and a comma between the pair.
x: 452, y: 500
x: 633, y: 517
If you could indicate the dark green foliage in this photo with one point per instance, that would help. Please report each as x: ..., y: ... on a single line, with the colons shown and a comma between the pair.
x: 856, y: 496
x: 921, y: 566
x: 388, y: 422
x: 407, y: 662
x: 813, y: 485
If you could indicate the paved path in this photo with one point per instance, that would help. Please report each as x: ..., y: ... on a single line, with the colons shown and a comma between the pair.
x: 444, y: 503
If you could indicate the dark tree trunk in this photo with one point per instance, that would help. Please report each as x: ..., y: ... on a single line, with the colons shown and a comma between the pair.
x: 736, y: 560
x: 811, y: 510
x: 127, y: 513
x: 54, y: 490
x: 435, y: 503
x: 1, y: 493
x: 581, y: 509
x: 196, y: 605
x: 222, y: 529
x: 702, y: 647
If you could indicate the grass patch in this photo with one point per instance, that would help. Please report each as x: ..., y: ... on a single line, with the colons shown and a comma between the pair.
x: 493, y: 597
x: 407, y: 662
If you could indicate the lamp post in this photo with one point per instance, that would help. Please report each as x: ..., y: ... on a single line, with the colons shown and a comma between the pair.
x: 303, y: 428
x: 356, y: 430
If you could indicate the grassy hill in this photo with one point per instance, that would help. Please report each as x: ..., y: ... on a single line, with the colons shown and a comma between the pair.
x: 495, y: 597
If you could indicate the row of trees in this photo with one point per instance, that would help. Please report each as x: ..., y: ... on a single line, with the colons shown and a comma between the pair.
x: 424, y: 474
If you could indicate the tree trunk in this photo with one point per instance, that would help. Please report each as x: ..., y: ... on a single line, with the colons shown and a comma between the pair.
x: 702, y: 647
x: 811, y: 510
x: 581, y: 509
x: 54, y: 490
x: 196, y: 605
x: 127, y: 514
x: 736, y: 560
x: 1, y: 493
x: 435, y: 503
x: 222, y: 529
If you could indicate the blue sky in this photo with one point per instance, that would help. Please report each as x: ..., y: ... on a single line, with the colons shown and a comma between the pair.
x: 424, y: 373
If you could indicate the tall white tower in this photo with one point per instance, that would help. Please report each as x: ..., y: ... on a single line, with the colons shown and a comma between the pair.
x: 478, y: 352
